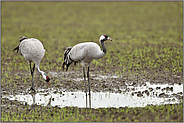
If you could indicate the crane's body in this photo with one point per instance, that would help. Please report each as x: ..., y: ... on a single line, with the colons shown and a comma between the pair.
x: 33, y: 51
x: 85, y: 53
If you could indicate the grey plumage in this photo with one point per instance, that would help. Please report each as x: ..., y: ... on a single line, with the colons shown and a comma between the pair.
x: 85, y: 53
x: 33, y: 51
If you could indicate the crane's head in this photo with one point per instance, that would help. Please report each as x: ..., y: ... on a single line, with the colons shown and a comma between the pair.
x: 67, y: 60
x: 46, y: 78
x: 105, y: 37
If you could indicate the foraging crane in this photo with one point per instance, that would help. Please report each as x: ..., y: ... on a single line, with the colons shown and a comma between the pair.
x: 85, y: 53
x: 33, y: 51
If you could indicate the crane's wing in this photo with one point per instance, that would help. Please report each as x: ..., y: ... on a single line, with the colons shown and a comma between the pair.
x: 16, y: 48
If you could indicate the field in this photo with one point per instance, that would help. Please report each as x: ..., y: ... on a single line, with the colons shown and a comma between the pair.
x: 147, y: 47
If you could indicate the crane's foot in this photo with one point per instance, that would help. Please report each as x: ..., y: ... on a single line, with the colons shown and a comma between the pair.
x: 32, y: 89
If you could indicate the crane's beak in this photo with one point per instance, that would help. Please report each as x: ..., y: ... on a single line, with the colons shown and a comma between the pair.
x: 49, y: 85
x: 110, y: 39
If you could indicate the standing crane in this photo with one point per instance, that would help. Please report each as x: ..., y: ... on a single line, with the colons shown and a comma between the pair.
x: 33, y: 51
x: 85, y: 53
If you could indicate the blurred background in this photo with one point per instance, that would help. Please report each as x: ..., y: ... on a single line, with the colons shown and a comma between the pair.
x: 60, y: 24
x: 78, y: 21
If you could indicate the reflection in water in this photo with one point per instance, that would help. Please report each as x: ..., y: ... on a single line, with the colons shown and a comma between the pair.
x: 49, y: 103
x: 89, y: 101
x: 102, y: 99
x: 33, y: 96
x: 35, y: 102
x: 86, y: 100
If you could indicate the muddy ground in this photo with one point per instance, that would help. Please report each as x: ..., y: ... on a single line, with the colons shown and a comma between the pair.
x: 100, y: 79
x: 148, y: 45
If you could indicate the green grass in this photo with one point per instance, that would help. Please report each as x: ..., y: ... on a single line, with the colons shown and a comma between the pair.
x: 148, y: 43
x: 143, y: 31
x: 160, y: 113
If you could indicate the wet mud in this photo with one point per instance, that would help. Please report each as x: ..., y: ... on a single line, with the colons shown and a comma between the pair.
x: 163, y: 88
x: 72, y: 81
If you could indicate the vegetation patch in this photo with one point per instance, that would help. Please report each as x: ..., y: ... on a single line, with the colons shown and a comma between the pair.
x: 147, y: 47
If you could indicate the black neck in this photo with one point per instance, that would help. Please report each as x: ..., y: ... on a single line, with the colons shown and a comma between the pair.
x: 103, y: 46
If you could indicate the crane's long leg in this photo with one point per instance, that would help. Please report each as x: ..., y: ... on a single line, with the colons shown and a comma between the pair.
x: 32, y: 73
x: 85, y: 84
x: 88, y: 80
x: 89, y: 88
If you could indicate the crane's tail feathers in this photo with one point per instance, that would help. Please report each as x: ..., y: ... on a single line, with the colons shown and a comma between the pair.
x: 66, y: 58
x: 22, y: 38
x: 16, y: 48
x: 67, y: 66
x: 67, y: 51
x: 75, y: 62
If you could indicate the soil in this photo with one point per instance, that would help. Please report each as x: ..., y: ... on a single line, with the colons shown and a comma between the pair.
x: 72, y: 80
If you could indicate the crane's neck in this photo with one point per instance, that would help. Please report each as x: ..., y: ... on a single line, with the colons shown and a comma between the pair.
x: 45, y: 76
x: 103, y: 46
x: 42, y: 73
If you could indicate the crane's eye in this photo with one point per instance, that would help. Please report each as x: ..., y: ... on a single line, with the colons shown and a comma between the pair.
x: 105, y: 36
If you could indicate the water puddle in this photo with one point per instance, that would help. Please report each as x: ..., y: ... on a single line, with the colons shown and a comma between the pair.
x: 149, y: 94
x: 99, y: 77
